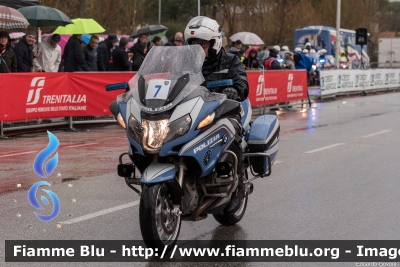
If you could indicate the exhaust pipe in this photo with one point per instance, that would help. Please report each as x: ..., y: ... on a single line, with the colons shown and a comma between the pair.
x: 196, y: 214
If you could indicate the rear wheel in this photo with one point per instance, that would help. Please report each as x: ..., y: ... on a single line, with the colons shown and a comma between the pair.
x: 235, y: 217
x: 159, y: 226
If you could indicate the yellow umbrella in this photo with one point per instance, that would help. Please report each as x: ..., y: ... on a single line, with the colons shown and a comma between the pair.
x: 81, y: 26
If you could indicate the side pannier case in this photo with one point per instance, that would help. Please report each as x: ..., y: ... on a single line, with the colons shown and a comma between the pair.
x: 263, y: 137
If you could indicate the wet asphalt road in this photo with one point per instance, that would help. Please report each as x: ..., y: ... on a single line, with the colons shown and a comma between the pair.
x: 336, y: 177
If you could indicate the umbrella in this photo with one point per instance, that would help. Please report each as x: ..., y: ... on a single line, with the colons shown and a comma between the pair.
x: 41, y: 16
x: 16, y: 35
x: 81, y: 26
x: 256, y: 47
x: 247, y: 38
x: 19, y: 3
x: 150, y: 29
x: 11, y: 18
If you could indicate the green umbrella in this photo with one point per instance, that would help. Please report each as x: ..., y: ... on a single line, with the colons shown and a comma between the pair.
x: 81, y: 26
x: 41, y: 16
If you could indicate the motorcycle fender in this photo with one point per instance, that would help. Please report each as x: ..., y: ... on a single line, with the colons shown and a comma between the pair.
x: 158, y: 173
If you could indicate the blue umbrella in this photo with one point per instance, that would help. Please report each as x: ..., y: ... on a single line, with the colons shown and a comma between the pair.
x: 86, y: 38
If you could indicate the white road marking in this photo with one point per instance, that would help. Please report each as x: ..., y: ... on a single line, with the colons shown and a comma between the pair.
x: 277, y: 162
x: 101, y: 212
x: 381, y: 132
x: 323, y: 148
x: 88, y: 144
x: 16, y: 154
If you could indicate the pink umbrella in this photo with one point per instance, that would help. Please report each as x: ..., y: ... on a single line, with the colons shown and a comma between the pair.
x: 16, y: 35
x: 250, y: 48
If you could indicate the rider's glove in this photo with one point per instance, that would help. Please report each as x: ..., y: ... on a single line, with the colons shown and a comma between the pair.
x: 231, y: 93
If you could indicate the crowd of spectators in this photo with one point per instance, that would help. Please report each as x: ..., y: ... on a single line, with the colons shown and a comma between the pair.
x: 113, y: 54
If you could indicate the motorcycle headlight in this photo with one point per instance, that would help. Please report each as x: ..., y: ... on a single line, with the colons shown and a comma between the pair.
x: 209, y: 119
x: 314, y: 67
x: 120, y: 120
x: 178, y: 128
x: 135, y: 130
x: 154, y: 133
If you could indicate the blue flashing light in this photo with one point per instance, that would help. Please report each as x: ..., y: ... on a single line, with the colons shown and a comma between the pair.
x: 220, y: 83
x: 117, y: 86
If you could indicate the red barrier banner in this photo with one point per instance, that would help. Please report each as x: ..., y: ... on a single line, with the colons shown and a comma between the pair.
x: 279, y: 86
x: 48, y: 95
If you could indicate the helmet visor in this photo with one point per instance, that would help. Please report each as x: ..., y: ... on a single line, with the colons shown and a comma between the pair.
x: 201, y: 42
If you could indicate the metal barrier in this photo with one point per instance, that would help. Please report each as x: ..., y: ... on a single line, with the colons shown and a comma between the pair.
x: 360, y: 92
x: 70, y: 122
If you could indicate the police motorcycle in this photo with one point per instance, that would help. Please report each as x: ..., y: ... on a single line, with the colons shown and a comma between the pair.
x: 178, y: 138
x: 323, y: 62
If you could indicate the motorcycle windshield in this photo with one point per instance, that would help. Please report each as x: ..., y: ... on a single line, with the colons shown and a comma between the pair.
x: 170, y: 73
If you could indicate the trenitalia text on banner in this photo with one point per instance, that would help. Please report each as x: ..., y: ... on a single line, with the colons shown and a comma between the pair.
x: 276, y: 86
x: 49, y: 95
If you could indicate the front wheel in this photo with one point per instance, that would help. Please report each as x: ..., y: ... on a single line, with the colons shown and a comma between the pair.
x: 159, y: 226
x: 235, y: 217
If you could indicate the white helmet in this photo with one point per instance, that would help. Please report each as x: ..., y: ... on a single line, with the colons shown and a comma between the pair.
x: 307, y: 44
x: 322, y: 51
x: 285, y: 48
x: 204, y: 28
x: 305, y: 51
x: 297, y: 50
x: 312, y: 51
x: 277, y: 48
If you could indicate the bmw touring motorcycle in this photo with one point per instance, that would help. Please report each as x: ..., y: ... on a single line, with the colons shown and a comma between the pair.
x: 179, y: 136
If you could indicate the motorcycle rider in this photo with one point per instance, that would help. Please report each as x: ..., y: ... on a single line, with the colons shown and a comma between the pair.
x: 219, y: 65
x: 321, y: 62
x: 343, y: 61
x: 343, y: 57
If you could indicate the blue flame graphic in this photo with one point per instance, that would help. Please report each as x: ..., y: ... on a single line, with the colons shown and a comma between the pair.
x: 44, y: 154
x: 32, y: 199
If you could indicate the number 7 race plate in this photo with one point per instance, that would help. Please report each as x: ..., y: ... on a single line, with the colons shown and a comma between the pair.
x: 158, y: 89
